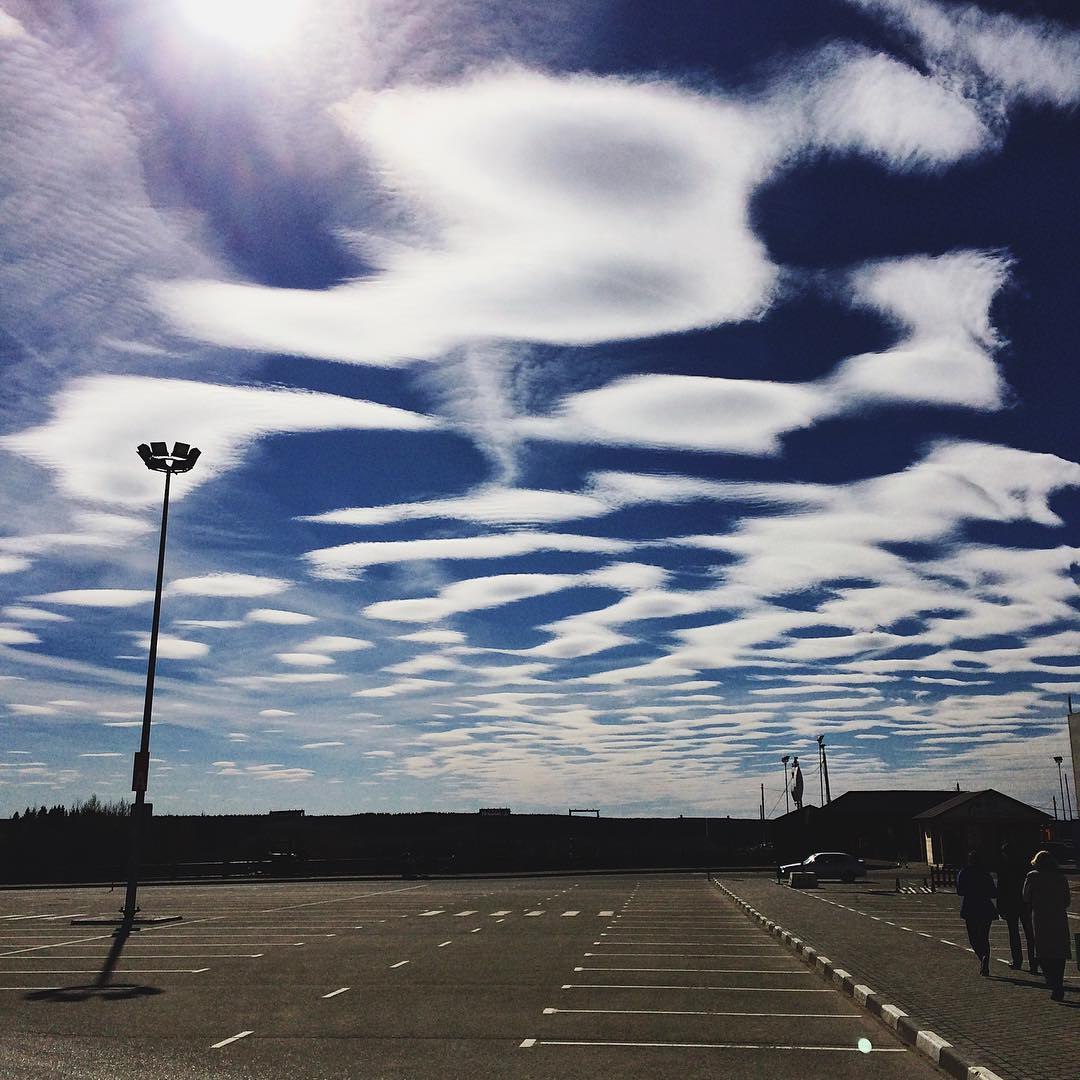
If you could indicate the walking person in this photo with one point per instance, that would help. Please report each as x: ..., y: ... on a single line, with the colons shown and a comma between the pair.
x: 975, y: 885
x: 1014, y: 909
x: 1047, y: 891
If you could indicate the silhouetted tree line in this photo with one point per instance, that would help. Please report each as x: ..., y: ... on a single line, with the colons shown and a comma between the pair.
x: 89, y: 842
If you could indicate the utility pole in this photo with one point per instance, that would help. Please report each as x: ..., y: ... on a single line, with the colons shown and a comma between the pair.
x: 763, y: 837
x: 823, y: 761
x: 1061, y: 784
x: 783, y: 764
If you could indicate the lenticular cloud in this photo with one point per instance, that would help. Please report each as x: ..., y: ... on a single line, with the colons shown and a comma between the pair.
x: 97, y: 423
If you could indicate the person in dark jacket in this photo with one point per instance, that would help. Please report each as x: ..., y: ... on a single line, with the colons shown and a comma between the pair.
x: 1013, y: 909
x: 1046, y: 889
x: 975, y: 885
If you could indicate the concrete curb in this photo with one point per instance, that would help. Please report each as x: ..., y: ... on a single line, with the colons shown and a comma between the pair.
x: 928, y: 1043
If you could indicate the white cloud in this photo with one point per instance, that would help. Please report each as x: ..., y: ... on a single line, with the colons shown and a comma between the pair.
x: 33, y: 710
x: 435, y: 637
x: 255, y: 681
x: 12, y: 564
x: 331, y: 644
x: 209, y: 624
x: 103, y: 598
x: 104, y: 754
x: 680, y: 411
x: 21, y: 613
x: 10, y: 635
x: 402, y: 688
x: 234, y: 585
x: 304, y: 659
x: 320, y: 745
x: 876, y: 105
x: 1023, y: 59
x: 944, y: 358
x: 490, y: 505
x: 570, y: 210
x: 173, y: 648
x: 99, y: 420
x: 275, y: 712
x: 343, y: 561
x: 278, y: 618
x: 944, y: 305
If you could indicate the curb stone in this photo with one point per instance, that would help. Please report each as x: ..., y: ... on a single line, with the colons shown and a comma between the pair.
x: 926, y: 1042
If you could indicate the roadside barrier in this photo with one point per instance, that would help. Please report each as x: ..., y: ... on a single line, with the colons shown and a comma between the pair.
x: 942, y: 877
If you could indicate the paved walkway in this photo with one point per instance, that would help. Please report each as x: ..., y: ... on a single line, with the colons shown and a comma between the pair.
x: 907, y: 949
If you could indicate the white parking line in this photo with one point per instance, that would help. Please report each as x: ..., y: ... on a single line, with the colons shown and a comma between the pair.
x: 230, y: 1039
x: 119, y: 971
x: 606, y: 913
x: 334, y: 993
x: 442, y: 945
x: 654, y: 986
x: 528, y: 913
x: 400, y: 963
x: 460, y: 914
x: 436, y: 911
x: 695, y: 1012
x: 499, y: 913
x: 343, y: 899
x: 718, y: 1046
x: 568, y: 914
x: 732, y: 955
x: 711, y: 971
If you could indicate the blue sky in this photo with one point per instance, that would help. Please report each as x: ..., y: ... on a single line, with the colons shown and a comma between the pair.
x: 597, y: 400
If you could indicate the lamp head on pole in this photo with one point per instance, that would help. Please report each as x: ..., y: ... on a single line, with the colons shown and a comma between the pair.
x: 1058, y: 758
x: 786, y: 758
x: 159, y: 458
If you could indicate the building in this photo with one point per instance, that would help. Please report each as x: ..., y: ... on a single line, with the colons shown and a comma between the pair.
x: 980, y: 821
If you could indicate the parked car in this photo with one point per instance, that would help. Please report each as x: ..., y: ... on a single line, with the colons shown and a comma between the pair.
x: 830, y: 864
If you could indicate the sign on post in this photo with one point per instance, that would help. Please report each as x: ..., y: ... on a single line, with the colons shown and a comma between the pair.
x: 141, y: 770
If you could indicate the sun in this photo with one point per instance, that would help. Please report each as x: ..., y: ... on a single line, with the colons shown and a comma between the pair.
x: 251, y: 25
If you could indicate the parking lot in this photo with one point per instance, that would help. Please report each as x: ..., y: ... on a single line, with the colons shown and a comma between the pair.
x: 651, y: 975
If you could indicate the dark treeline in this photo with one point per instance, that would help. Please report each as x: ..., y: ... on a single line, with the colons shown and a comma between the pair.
x: 89, y: 842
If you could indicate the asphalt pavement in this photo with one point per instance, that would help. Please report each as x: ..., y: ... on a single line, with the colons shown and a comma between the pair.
x: 574, y: 977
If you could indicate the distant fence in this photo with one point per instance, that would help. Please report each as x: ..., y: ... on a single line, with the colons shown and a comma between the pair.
x: 942, y: 877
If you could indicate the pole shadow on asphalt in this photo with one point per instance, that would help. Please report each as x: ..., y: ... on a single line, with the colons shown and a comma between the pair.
x: 103, y: 988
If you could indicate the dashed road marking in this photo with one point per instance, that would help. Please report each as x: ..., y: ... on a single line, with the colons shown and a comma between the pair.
x: 695, y: 1012
x: 400, y: 963
x: 334, y: 993
x: 442, y: 944
x: 460, y: 914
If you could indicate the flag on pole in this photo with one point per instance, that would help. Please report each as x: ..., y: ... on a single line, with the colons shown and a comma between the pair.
x: 796, y: 784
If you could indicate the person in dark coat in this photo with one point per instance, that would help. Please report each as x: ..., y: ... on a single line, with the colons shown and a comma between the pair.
x: 975, y: 885
x: 1047, y: 891
x: 1012, y: 908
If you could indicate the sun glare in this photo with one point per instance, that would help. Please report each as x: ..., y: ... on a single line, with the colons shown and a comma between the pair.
x: 252, y: 25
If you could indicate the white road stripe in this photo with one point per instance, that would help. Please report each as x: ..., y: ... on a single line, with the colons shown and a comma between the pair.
x: 334, y: 993
x: 400, y: 963
x: 436, y: 911
x: 499, y: 913
x: 527, y: 1043
x: 606, y: 913
x: 460, y: 914
x: 568, y: 914
x: 528, y: 913
x: 230, y: 1039
x: 442, y: 945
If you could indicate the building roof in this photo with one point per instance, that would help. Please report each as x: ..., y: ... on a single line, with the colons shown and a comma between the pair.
x: 978, y: 804
x: 887, y: 803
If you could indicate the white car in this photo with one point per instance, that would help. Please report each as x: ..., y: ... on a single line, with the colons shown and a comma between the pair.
x: 829, y: 864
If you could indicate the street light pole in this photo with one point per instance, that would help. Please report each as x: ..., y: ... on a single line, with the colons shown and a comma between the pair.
x: 783, y: 765
x: 157, y: 458
x: 1061, y: 784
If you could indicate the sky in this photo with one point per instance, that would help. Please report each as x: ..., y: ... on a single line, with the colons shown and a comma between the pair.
x: 598, y: 401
